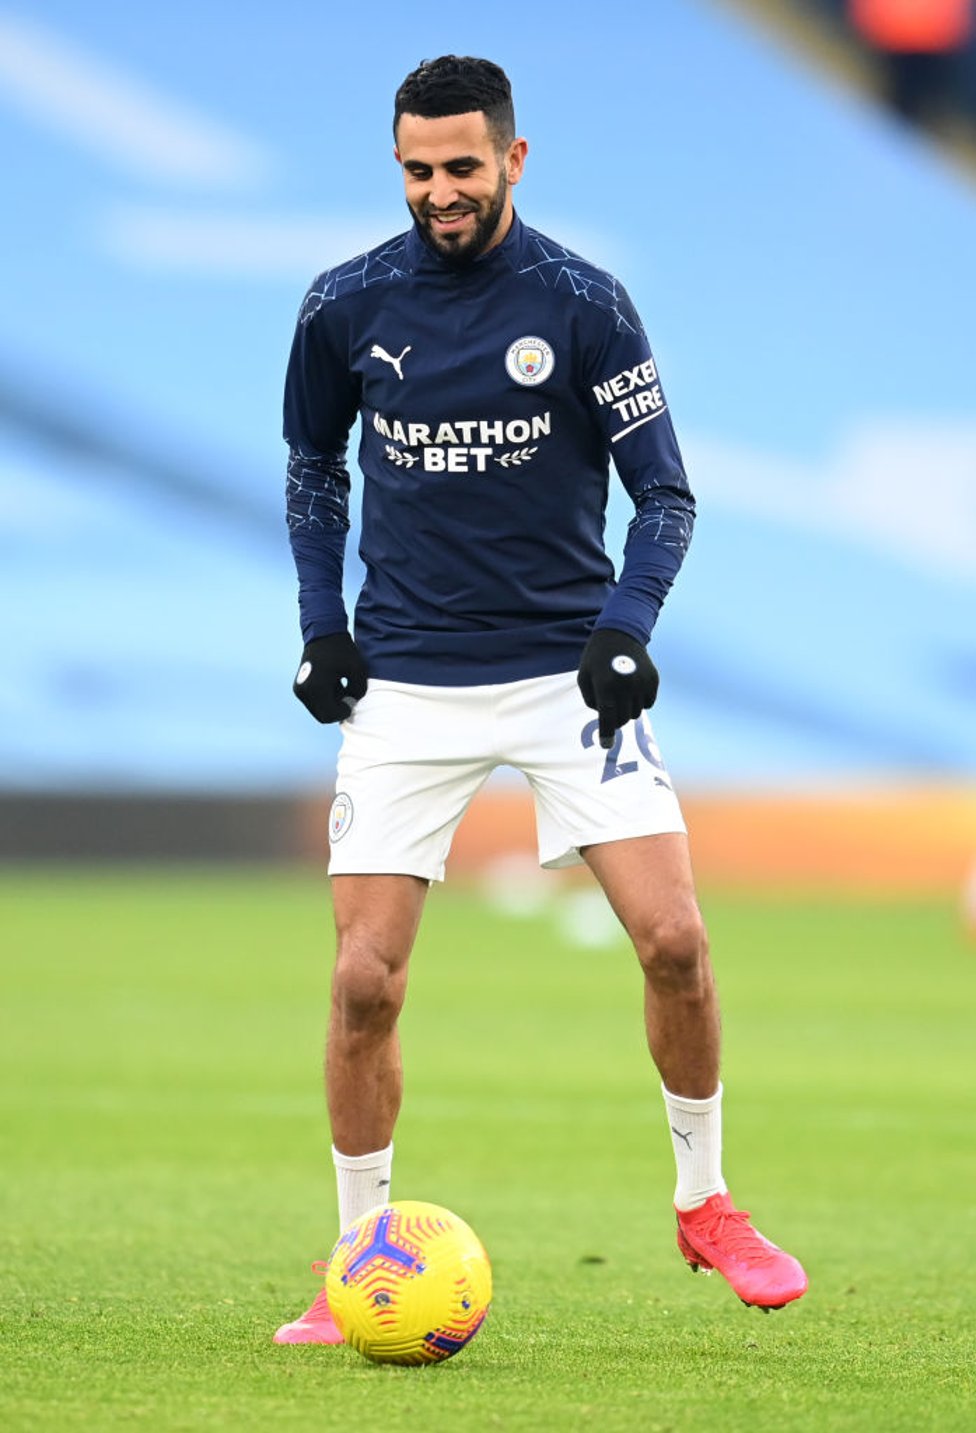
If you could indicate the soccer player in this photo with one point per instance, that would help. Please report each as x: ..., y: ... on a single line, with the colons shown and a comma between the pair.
x: 496, y: 373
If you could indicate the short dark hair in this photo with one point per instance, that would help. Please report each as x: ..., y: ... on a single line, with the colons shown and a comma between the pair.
x: 459, y: 84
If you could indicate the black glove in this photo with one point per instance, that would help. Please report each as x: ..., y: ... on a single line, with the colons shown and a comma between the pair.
x: 331, y: 678
x: 617, y: 679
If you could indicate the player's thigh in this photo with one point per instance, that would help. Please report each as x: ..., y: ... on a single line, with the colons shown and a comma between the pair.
x: 381, y: 912
x: 376, y: 920
x: 649, y: 882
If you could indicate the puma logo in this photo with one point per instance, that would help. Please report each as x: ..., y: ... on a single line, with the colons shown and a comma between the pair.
x: 679, y: 1135
x: 377, y: 352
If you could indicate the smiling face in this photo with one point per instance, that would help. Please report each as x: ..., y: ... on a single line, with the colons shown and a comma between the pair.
x: 458, y: 185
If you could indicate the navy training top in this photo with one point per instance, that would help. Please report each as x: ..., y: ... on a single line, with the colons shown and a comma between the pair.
x: 492, y: 398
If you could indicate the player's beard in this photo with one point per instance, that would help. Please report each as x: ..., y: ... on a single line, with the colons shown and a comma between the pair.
x: 460, y: 251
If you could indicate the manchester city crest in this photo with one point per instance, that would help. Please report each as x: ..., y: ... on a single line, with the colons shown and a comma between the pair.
x: 529, y: 361
x: 340, y: 817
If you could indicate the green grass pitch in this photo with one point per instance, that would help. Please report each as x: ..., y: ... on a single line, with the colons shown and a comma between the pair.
x: 166, y: 1177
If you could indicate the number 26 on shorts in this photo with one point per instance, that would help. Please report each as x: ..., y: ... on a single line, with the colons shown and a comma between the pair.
x: 646, y: 748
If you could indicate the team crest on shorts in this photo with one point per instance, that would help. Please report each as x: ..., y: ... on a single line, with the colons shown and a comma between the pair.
x: 340, y: 817
x: 530, y: 361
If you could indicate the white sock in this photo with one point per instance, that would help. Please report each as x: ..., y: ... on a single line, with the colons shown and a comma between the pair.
x: 696, y: 1133
x: 362, y: 1181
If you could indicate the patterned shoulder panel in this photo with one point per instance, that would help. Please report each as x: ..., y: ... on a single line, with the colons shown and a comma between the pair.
x: 377, y: 266
x: 559, y: 268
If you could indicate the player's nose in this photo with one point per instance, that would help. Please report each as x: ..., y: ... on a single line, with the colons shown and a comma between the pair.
x: 443, y: 192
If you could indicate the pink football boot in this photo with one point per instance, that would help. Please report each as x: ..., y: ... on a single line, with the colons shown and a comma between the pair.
x: 719, y: 1236
x: 316, y: 1325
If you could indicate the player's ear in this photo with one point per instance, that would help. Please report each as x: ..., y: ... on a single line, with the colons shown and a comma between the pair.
x: 396, y: 154
x: 515, y: 160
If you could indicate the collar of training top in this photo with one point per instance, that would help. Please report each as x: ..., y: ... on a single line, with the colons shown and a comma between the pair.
x: 421, y: 255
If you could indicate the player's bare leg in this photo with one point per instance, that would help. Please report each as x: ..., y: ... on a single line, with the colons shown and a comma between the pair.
x: 376, y: 919
x: 648, y: 881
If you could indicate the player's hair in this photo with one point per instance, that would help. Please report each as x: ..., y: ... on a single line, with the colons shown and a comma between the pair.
x: 459, y: 84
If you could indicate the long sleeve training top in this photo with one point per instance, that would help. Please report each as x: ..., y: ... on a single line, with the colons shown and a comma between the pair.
x: 492, y: 399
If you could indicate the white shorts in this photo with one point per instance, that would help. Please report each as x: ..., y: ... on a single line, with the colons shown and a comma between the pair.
x: 412, y: 758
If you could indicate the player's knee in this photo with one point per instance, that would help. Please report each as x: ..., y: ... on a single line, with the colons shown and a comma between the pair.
x: 672, y: 950
x: 368, y: 985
